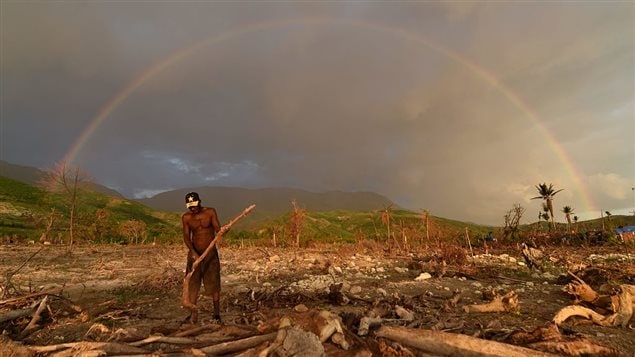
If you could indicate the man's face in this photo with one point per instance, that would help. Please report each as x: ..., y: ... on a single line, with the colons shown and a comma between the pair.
x: 195, y: 209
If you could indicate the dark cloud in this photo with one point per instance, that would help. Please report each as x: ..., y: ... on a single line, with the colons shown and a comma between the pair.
x: 451, y: 107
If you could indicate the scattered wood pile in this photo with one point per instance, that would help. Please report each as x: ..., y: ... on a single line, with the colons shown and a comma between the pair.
x: 386, y: 328
x: 393, y: 324
x: 614, y: 308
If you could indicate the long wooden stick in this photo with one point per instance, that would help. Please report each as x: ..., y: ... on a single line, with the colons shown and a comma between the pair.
x: 109, y: 348
x: 185, y: 300
x: 452, y: 344
x: 28, y: 296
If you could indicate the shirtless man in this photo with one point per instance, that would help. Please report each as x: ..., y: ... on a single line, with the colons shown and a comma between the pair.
x: 200, y: 225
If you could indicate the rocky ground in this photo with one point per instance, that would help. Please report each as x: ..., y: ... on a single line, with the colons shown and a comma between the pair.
x: 127, y: 293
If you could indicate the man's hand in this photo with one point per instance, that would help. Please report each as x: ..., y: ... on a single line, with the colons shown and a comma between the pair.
x: 194, y: 255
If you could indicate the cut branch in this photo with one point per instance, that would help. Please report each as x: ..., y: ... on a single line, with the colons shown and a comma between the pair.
x: 239, y: 345
x: 37, y: 317
x: 505, y: 303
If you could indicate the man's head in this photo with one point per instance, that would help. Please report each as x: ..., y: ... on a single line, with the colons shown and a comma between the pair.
x: 192, y: 201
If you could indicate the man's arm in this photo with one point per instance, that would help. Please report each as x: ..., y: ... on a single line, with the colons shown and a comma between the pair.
x: 186, y: 235
x: 215, y: 222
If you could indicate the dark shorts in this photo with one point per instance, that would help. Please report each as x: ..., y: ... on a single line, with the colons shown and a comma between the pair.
x: 207, y: 273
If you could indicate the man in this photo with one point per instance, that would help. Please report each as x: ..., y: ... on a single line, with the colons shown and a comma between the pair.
x: 200, y: 225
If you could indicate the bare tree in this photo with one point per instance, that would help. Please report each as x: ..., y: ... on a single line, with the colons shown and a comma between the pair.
x: 274, y: 232
x: 575, y: 221
x: 512, y: 220
x: 425, y: 216
x: 404, y: 235
x: 66, y: 180
x: 49, y: 224
x: 297, y: 219
x: 386, y: 216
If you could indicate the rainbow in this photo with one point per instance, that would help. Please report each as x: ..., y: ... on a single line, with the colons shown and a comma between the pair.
x: 121, y: 96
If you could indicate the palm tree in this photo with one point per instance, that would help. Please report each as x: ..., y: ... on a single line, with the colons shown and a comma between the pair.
x: 568, y: 211
x: 575, y: 221
x: 545, y: 216
x: 608, y: 216
x: 546, y: 193
x: 545, y: 212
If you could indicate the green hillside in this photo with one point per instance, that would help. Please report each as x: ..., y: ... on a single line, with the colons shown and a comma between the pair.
x: 25, y: 210
x: 340, y: 226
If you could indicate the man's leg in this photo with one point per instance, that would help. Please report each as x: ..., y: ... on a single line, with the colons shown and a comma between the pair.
x: 211, y: 280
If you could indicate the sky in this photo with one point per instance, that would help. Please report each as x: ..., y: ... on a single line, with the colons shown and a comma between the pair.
x: 458, y: 107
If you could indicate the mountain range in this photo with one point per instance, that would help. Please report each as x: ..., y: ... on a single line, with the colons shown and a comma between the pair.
x: 230, y: 201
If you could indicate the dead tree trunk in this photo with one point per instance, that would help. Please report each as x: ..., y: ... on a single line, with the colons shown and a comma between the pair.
x: 49, y: 224
x: 469, y: 244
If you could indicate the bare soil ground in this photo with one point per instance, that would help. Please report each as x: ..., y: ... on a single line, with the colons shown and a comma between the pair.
x: 127, y: 293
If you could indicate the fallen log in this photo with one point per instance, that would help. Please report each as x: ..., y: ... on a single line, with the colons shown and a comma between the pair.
x: 548, y: 338
x: 185, y: 301
x: 16, y: 314
x: 576, y: 348
x: 451, y: 344
x: 106, y: 347
x: 199, y: 341
x: 238, y: 345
